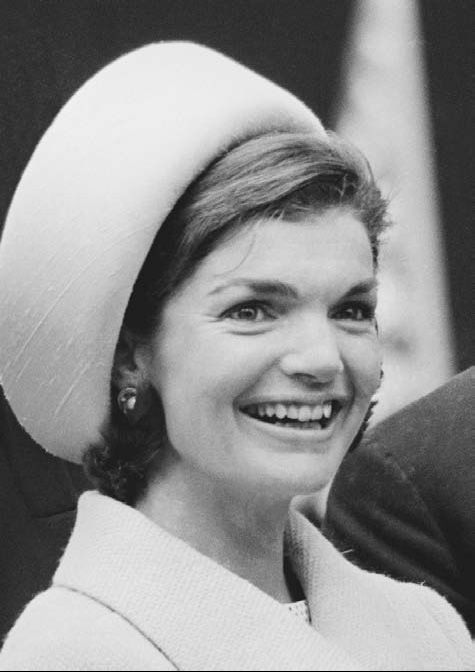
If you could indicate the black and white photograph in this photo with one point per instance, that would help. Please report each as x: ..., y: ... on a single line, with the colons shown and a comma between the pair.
x: 237, y: 335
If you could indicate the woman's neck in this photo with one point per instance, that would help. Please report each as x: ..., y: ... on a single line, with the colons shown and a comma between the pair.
x: 242, y: 531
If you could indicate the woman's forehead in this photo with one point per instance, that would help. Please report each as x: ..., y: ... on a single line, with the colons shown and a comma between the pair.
x: 328, y: 247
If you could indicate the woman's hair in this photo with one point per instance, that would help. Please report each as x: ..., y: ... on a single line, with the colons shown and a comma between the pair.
x: 279, y: 175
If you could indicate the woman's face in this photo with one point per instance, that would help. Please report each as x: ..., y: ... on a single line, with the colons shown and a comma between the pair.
x: 267, y: 358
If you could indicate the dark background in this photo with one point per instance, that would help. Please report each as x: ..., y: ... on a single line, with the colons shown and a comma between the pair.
x: 49, y: 47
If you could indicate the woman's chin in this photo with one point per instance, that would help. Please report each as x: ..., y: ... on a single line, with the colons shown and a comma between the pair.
x: 283, y: 479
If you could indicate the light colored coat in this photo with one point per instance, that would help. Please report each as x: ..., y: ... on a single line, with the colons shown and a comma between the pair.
x: 129, y: 596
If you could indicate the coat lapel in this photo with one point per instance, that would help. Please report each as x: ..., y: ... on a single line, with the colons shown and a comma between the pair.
x: 382, y: 623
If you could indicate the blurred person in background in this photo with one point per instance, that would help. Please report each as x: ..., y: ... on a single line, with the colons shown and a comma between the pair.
x: 403, y: 503
x: 38, y: 496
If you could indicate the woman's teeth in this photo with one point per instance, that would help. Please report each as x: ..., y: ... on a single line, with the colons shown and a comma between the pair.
x: 294, y: 415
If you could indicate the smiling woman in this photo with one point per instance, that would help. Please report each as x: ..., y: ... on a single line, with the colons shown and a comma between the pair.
x: 208, y: 348
x: 254, y: 281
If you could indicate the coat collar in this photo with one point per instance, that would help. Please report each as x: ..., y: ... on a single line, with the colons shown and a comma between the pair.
x: 199, y: 614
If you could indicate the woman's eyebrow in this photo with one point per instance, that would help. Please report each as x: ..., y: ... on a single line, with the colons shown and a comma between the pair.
x: 277, y: 287
x: 268, y: 287
x: 364, y: 287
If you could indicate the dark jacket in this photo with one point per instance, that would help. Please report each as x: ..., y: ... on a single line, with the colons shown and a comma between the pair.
x: 38, y: 495
x: 404, y: 502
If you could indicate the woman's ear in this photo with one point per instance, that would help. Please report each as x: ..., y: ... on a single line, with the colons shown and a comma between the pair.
x: 130, y: 377
x: 129, y: 366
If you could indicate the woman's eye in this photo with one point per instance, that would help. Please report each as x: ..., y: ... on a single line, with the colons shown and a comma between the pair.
x: 356, y: 312
x: 248, y: 312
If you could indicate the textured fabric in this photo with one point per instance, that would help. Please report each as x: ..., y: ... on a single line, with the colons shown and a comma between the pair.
x: 300, y: 610
x: 404, y: 502
x: 99, y: 185
x: 127, y: 595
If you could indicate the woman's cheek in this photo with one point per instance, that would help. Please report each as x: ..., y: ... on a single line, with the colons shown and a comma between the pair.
x: 364, y: 358
x: 375, y: 360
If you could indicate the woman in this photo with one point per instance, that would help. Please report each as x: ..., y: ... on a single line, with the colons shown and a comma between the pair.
x: 207, y: 345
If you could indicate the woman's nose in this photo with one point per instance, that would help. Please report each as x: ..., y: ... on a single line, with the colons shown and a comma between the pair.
x: 313, y: 351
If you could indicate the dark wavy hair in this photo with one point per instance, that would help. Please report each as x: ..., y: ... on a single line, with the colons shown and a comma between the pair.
x: 284, y: 175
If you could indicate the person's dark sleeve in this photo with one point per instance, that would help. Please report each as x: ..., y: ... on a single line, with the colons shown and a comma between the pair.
x: 38, y: 495
x: 404, y: 502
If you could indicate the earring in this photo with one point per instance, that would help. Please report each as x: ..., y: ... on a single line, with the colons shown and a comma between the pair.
x: 127, y: 399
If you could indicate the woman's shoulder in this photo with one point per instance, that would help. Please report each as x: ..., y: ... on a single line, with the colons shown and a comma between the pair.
x: 444, y: 616
x: 419, y: 609
x: 382, y: 616
x: 417, y: 615
x: 62, y: 629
